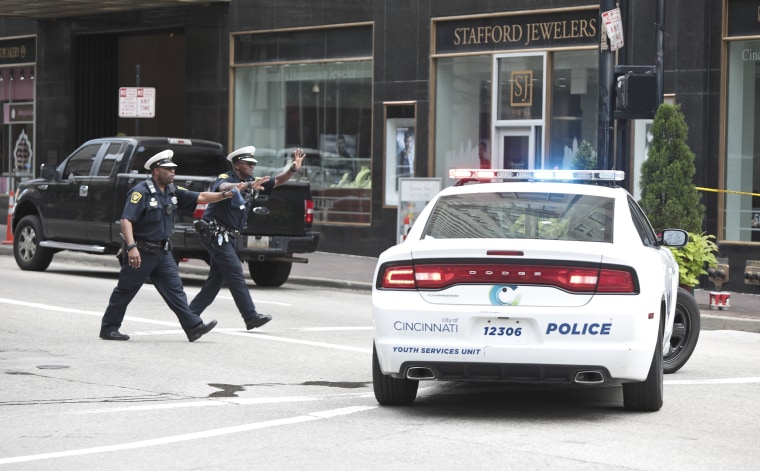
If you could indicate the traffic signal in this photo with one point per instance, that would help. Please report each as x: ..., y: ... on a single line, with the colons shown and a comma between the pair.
x: 637, y: 92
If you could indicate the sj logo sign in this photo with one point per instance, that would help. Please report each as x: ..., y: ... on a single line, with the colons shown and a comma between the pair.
x: 521, y: 88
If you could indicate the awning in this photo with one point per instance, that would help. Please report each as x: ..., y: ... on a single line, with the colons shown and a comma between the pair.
x: 52, y: 9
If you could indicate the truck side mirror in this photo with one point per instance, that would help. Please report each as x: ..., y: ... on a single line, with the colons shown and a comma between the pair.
x: 47, y: 171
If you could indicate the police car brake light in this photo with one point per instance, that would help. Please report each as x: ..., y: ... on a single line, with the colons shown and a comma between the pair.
x: 537, y: 175
x: 180, y: 142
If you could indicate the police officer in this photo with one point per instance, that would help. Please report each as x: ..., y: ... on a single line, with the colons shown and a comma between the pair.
x: 146, y: 225
x: 223, y: 223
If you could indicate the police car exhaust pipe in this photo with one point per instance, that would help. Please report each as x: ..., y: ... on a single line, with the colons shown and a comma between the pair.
x: 589, y: 377
x: 419, y: 372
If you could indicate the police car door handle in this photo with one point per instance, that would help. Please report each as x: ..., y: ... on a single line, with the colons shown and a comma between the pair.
x: 83, y: 190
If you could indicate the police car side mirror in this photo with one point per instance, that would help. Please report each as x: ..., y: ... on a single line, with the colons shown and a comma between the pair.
x: 674, y: 237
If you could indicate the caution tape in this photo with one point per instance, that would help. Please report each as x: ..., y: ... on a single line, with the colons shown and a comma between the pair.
x: 728, y: 191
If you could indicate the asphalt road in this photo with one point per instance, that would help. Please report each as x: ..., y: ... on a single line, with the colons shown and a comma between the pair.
x: 297, y: 394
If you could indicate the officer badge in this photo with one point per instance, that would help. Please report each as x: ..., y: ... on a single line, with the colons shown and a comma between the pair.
x: 136, y: 197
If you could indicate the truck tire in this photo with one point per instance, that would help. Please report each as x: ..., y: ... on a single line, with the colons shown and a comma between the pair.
x: 269, y: 273
x: 26, y: 245
x: 686, y: 327
x: 646, y: 396
x: 391, y: 391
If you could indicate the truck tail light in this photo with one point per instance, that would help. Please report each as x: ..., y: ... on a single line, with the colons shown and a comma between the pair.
x: 308, y: 214
x: 199, y: 210
x: 570, y: 278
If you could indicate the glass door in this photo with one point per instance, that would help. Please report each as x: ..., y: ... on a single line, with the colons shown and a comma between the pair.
x: 518, y: 110
x: 515, y: 148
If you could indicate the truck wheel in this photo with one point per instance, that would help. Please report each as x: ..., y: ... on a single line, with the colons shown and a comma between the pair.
x: 391, y: 391
x: 646, y: 396
x: 26, y: 245
x: 686, y: 327
x: 268, y: 273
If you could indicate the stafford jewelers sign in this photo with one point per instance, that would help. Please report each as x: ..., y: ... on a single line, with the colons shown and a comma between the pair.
x: 512, y: 32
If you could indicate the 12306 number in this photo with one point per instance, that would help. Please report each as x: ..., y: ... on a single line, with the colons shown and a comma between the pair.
x: 503, y: 331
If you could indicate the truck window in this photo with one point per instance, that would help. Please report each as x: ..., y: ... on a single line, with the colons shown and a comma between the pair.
x: 80, y: 163
x: 114, y: 153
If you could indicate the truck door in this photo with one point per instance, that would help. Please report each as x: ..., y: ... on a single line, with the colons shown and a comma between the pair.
x: 105, y: 201
x: 67, y: 197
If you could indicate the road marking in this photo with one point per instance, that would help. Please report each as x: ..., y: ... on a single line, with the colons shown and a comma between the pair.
x: 321, y: 415
x: 242, y: 401
x: 174, y: 331
x: 750, y: 380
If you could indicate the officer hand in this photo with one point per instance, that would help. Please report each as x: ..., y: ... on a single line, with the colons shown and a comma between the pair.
x: 134, y: 257
x: 298, y: 157
x: 258, y: 184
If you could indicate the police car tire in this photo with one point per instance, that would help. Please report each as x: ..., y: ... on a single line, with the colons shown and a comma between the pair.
x: 26, y: 245
x: 646, y: 396
x: 686, y: 328
x: 391, y: 391
x: 268, y: 273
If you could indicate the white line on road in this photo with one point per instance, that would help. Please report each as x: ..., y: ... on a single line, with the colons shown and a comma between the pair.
x: 321, y: 415
x: 237, y: 333
x: 749, y: 380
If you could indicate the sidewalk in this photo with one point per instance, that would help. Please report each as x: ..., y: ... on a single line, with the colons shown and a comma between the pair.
x: 356, y: 272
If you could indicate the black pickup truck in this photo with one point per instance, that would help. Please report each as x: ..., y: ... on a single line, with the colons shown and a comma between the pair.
x: 78, y: 204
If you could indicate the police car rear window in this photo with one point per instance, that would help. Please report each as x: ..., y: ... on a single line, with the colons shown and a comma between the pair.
x: 510, y: 215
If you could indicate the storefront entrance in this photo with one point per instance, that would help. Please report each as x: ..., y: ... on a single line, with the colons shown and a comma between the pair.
x: 515, y: 148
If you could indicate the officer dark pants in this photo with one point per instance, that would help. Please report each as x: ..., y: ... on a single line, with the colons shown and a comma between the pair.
x: 225, y: 268
x: 162, y: 270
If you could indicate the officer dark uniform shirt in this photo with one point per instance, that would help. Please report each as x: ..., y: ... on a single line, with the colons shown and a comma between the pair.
x: 233, y: 214
x: 152, y: 211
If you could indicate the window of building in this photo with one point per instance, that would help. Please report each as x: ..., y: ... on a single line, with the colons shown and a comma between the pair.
x: 464, y: 127
x: 462, y: 113
x: 323, y: 106
x: 742, y: 212
x: 575, y: 109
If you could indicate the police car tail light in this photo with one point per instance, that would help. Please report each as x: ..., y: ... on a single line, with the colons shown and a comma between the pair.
x: 615, y: 281
x: 199, y: 209
x: 308, y: 214
x: 401, y: 277
x: 570, y: 278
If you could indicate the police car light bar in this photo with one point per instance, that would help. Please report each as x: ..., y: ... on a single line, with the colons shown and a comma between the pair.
x: 537, y: 175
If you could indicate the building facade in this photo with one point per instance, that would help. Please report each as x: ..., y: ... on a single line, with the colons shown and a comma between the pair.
x: 379, y: 92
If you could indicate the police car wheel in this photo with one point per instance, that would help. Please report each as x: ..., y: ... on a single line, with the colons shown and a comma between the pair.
x: 26, y: 245
x: 647, y: 395
x: 391, y: 391
x: 686, y: 328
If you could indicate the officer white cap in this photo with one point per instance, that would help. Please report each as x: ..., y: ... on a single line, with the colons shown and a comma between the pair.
x: 162, y: 159
x: 244, y: 153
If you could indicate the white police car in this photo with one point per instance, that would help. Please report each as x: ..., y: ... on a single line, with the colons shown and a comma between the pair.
x: 537, y: 276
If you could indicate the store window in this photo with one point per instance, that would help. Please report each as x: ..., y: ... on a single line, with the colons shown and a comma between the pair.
x: 463, y: 121
x: 319, y: 99
x: 742, y: 211
x: 462, y: 113
x: 575, y: 110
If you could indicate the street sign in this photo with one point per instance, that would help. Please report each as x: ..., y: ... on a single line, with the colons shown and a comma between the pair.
x: 613, y: 25
x: 137, y: 102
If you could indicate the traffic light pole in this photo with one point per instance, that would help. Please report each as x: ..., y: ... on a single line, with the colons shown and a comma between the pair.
x: 660, y: 39
x: 606, y: 129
